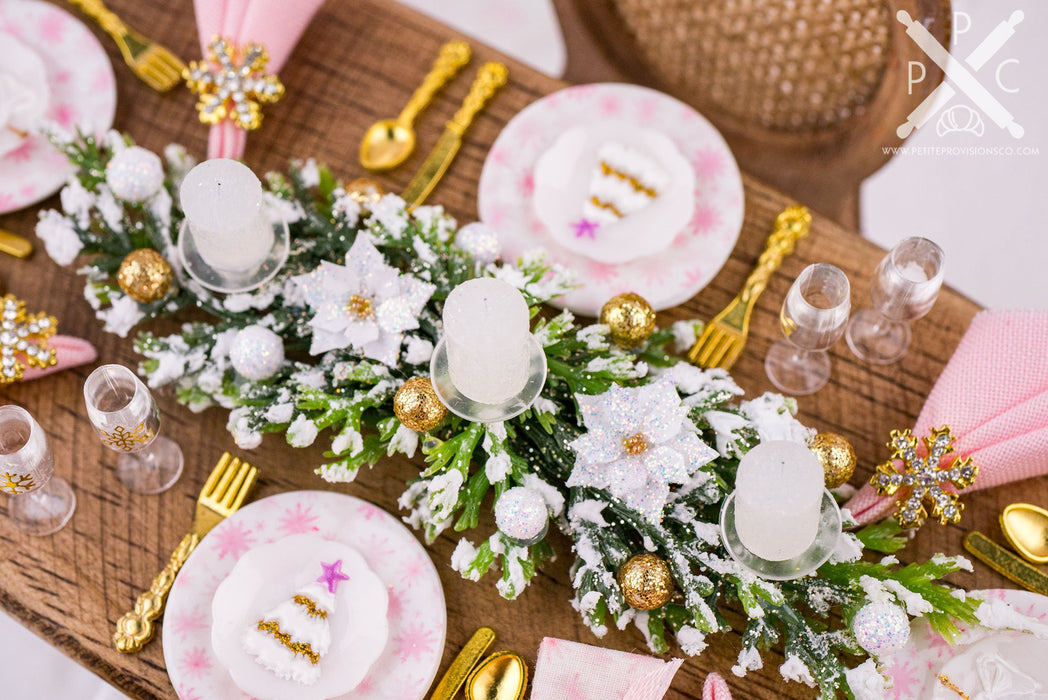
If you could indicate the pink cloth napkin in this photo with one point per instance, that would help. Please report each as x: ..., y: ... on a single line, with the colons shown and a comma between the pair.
x: 993, y: 393
x: 715, y: 688
x: 276, y: 24
x: 573, y: 671
x: 69, y: 352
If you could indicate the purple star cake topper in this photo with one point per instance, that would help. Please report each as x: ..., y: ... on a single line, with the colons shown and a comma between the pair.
x: 584, y: 228
x: 332, y: 575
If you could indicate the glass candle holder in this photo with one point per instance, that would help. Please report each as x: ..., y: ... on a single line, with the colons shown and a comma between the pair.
x: 813, y: 317
x: 127, y: 420
x: 905, y: 286
x: 41, y: 503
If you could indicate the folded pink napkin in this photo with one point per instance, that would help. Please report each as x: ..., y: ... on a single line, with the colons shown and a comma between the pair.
x: 573, y: 671
x: 993, y: 394
x: 715, y: 688
x: 69, y: 352
x: 276, y: 24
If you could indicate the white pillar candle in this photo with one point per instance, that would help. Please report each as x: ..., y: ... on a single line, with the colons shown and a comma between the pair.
x: 222, y: 201
x: 778, y: 499
x: 487, y: 332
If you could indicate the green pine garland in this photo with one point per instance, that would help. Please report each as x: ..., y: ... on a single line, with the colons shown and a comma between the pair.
x: 349, y: 397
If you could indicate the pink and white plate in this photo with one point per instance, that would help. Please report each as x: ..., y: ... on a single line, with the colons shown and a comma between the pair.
x: 985, y: 664
x: 506, y: 195
x: 82, y: 96
x: 417, y: 615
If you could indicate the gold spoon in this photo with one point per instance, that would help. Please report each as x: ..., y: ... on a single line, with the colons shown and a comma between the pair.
x: 388, y: 143
x: 501, y: 676
x: 1026, y: 527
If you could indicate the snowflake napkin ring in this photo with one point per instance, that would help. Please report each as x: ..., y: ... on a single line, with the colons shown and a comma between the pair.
x: 925, y: 477
x: 23, y: 339
x: 232, y: 85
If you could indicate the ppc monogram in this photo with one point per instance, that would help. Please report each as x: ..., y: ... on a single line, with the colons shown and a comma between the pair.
x: 959, y: 78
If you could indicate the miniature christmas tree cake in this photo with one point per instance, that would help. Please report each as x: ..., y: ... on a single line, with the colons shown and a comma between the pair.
x: 291, y: 639
x: 624, y: 181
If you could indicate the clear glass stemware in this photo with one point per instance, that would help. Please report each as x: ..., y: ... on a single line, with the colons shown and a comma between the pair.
x: 40, y: 504
x: 813, y: 317
x: 904, y: 288
x: 127, y: 419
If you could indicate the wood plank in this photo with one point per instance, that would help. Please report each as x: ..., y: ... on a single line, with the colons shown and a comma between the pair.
x: 359, y: 62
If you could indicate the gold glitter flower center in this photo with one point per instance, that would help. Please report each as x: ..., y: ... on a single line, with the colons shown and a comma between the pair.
x: 361, y: 307
x: 635, y: 444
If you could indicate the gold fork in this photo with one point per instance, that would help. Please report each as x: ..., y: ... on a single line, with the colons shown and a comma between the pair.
x: 223, y: 493
x: 724, y: 337
x: 155, y: 65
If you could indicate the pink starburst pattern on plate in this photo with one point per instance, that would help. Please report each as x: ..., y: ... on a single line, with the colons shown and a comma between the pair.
x: 64, y: 115
x: 185, y: 693
x: 705, y: 219
x: 27, y: 191
x: 527, y: 185
x: 368, y: 512
x: 62, y: 76
x: 646, y: 110
x: 610, y: 106
x: 195, y: 662
x: 298, y: 520
x: 7, y: 201
x: 499, y: 156
x: 709, y: 163
x: 415, y: 642
x: 52, y: 28
x: 414, y: 569
x: 188, y: 622
x: 694, y: 275
x: 396, y: 603
x: 232, y: 539
x: 938, y: 644
x: 907, y: 679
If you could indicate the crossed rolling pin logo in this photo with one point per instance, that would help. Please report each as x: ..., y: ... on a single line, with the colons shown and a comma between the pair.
x: 960, y: 77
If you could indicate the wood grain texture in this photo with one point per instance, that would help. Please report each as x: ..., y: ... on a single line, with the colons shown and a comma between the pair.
x: 359, y: 62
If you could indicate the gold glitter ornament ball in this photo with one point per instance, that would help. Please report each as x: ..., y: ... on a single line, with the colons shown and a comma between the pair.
x: 837, y: 457
x: 630, y: 318
x: 417, y: 405
x: 145, y: 276
x: 365, y: 191
x: 646, y: 582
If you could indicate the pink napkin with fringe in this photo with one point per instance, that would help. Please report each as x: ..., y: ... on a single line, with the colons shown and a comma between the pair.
x: 276, y: 24
x: 993, y: 394
x: 69, y: 352
x: 573, y: 671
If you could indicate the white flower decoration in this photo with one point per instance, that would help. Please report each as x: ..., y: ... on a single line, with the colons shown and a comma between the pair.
x: 638, y: 442
x: 365, y: 303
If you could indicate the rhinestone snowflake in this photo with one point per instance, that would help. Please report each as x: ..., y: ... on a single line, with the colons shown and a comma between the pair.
x: 924, y: 477
x: 232, y: 85
x: 23, y: 336
x: 120, y: 438
x: 16, y: 483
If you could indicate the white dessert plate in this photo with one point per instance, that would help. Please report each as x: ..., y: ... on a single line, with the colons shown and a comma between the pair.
x: 83, y: 96
x: 417, y: 615
x: 506, y: 195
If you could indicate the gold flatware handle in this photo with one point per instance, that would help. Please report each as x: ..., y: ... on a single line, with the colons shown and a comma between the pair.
x: 453, y: 56
x: 791, y: 225
x: 13, y: 244
x: 113, y: 25
x: 1005, y: 563
x: 491, y: 77
x: 459, y: 670
x: 136, y: 628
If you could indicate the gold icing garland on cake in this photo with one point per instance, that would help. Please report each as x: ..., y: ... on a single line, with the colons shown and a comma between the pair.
x: 311, y: 607
x: 296, y: 647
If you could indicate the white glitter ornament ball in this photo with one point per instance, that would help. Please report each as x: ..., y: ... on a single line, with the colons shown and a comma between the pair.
x: 135, y: 174
x: 256, y: 353
x: 521, y: 514
x: 479, y: 240
x: 881, y: 628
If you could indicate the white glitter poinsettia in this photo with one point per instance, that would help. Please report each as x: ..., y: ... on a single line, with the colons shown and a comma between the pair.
x: 638, y: 442
x: 364, y: 303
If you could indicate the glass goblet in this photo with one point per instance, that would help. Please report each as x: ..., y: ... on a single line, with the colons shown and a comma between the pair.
x: 904, y: 288
x: 127, y: 419
x: 40, y: 504
x: 813, y: 317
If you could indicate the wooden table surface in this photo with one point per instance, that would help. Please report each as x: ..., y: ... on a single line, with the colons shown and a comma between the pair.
x: 358, y: 62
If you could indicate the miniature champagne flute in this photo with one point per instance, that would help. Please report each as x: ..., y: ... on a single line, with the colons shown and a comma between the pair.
x: 813, y: 317
x: 904, y: 288
x: 40, y: 504
x: 127, y: 419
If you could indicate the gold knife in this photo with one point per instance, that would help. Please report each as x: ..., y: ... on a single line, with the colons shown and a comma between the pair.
x: 465, y: 661
x: 15, y: 245
x: 491, y: 77
x: 1005, y: 563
